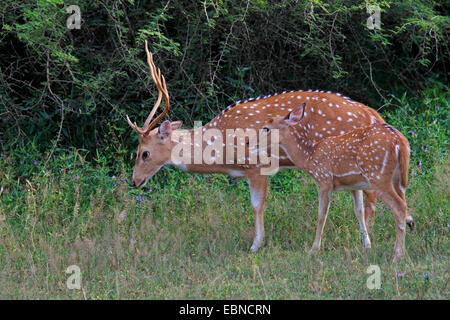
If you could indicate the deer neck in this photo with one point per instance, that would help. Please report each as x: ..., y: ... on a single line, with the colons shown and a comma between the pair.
x: 178, y: 141
x: 191, y: 141
x: 300, y: 148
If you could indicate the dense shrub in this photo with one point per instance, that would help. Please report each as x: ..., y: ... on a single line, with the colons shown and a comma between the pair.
x: 61, y: 87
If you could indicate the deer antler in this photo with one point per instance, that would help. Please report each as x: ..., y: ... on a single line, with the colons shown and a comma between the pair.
x: 160, y: 83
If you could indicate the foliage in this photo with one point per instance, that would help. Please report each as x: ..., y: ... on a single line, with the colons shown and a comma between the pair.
x: 425, y: 123
x: 73, y: 88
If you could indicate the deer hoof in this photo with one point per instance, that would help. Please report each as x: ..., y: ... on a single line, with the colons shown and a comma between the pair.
x: 255, y: 248
x: 410, y: 222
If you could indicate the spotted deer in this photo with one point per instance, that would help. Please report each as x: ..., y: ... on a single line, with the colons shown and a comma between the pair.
x: 156, y: 144
x: 372, y: 158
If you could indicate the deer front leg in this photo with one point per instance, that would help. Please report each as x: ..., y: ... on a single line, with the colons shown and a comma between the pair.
x: 369, y: 208
x: 324, y: 204
x: 358, y: 207
x: 258, y: 190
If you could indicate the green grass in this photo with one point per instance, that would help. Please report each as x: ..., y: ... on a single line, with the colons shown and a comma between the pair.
x: 190, y: 237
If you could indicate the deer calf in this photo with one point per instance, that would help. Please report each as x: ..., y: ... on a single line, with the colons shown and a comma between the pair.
x: 371, y: 158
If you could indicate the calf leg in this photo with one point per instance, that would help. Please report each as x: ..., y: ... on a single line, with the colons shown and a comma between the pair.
x: 369, y: 208
x: 324, y: 204
x: 398, y: 206
x: 401, y: 193
x: 357, y: 196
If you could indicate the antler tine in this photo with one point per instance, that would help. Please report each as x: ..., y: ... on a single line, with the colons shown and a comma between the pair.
x: 167, y: 99
x: 156, y: 76
x: 160, y: 83
x: 134, y: 126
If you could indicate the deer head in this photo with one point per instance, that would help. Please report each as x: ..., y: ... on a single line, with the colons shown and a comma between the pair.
x: 155, y: 145
x: 283, y: 123
x: 289, y: 126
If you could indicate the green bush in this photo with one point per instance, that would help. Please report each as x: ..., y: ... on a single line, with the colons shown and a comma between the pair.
x: 424, y: 120
x: 73, y: 88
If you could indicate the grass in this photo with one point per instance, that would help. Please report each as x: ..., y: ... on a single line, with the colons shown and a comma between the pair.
x: 189, y: 238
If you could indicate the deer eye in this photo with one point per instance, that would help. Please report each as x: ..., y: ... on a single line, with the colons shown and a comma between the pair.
x: 266, y: 130
x: 145, y: 155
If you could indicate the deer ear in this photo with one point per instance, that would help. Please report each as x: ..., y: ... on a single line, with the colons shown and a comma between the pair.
x: 296, y: 115
x: 167, y: 127
x: 176, y: 125
x: 165, y: 130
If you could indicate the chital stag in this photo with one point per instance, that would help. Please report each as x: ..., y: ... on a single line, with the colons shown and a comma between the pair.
x: 156, y: 144
x: 371, y: 158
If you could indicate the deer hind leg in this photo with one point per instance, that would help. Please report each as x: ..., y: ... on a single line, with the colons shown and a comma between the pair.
x: 324, y: 204
x: 398, y: 207
x: 400, y: 189
x: 369, y: 208
x: 258, y: 190
x: 358, y: 207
